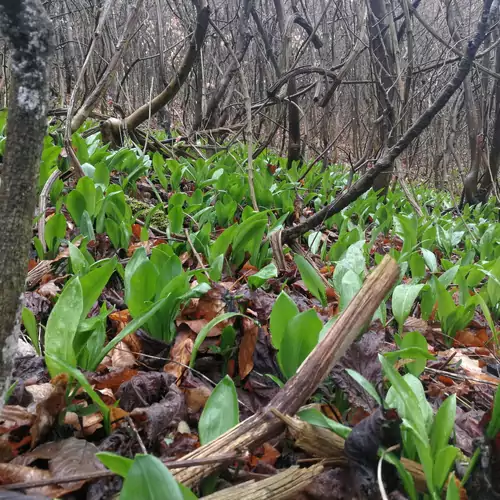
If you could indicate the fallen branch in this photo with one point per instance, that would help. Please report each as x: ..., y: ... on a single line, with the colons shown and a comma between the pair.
x: 324, y: 443
x: 262, y: 426
x: 286, y: 484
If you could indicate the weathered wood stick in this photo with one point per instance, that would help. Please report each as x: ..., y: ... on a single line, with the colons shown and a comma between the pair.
x: 286, y: 484
x: 262, y: 426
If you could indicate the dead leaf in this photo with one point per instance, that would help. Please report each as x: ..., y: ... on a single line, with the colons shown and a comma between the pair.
x: 49, y: 290
x: 11, y: 473
x: 180, y: 355
x: 48, y: 410
x: 13, y: 417
x: 66, y: 458
x: 112, y: 380
x: 247, y: 347
x: 122, y: 357
x: 471, y: 338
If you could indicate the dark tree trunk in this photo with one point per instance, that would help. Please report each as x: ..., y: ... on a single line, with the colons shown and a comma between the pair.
x: 27, y: 27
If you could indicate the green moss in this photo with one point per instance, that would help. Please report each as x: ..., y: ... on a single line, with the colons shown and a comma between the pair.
x: 159, y: 219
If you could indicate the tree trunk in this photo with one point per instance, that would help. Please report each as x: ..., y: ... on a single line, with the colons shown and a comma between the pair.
x: 27, y: 27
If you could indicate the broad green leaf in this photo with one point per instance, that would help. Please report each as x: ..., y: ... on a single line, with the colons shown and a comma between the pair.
x: 62, y: 326
x: 176, y: 218
x: 350, y: 285
x: 300, y: 338
x: 417, y: 266
x: 220, y: 413
x: 79, y: 263
x: 149, y: 479
x: 55, y: 230
x: 86, y: 226
x: 87, y: 189
x: 138, y: 258
x: 259, y: 278
x: 311, y: 279
x: 221, y: 244
x: 76, y: 205
x: 101, y: 176
x: 430, y: 260
x: 415, y: 340
x: 403, y: 298
x: 315, y: 417
x: 93, y: 283
x: 443, y: 462
x: 406, y: 402
x: 452, y: 492
x: 443, y: 425
x: 142, y: 288
x: 115, y: 463
x: 284, y: 309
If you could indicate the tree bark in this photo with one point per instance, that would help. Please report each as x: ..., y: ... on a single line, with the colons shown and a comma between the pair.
x: 27, y: 27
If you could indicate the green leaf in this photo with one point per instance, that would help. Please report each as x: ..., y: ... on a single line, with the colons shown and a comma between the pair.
x: 366, y: 385
x: 62, y: 326
x: 407, y: 404
x: 149, y: 479
x: 348, y: 288
x: 115, y: 463
x: 206, y: 330
x: 159, y: 168
x: 452, y: 492
x: 417, y: 266
x: 86, y: 226
x: 142, y: 288
x: 443, y: 463
x: 443, y: 424
x: 136, y: 260
x: 93, y: 283
x: 55, y: 230
x: 315, y: 417
x: 75, y: 202
x: 416, y: 340
x: 216, y: 267
x: 221, y: 244
x: 284, y: 309
x: 176, y: 218
x: 220, y: 412
x: 311, y: 279
x: 79, y: 263
x: 430, y: 259
x: 259, y: 278
x: 300, y: 338
x: 101, y: 176
x: 403, y: 298
x: 87, y: 189
x: 29, y: 322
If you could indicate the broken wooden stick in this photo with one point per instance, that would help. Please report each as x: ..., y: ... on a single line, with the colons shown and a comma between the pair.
x: 323, y: 443
x: 263, y: 425
x: 286, y: 484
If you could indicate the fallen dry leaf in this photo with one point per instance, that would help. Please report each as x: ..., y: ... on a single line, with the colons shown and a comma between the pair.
x: 247, y: 347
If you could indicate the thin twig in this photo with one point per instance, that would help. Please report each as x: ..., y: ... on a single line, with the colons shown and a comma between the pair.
x: 171, y: 464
